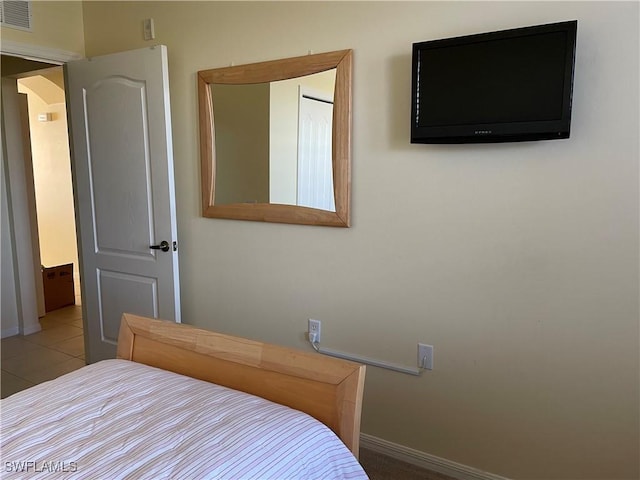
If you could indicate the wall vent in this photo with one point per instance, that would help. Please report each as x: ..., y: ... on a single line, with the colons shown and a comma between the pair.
x: 16, y: 14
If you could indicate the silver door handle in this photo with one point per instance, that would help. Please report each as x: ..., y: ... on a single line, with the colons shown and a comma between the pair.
x: 164, y: 246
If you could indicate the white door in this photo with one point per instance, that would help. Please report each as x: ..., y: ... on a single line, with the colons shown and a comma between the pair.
x: 315, y: 172
x: 122, y: 162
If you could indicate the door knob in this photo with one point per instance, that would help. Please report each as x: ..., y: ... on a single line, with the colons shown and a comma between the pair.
x: 164, y: 246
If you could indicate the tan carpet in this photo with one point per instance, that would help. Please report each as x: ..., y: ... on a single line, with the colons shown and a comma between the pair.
x: 381, y: 467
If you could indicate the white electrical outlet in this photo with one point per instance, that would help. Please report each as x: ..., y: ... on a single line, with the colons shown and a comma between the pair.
x: 425, y: 356
x: 314, y: 330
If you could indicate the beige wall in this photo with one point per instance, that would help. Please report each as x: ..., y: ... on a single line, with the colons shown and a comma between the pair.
x: 55, y: 25
x: 518, y: 262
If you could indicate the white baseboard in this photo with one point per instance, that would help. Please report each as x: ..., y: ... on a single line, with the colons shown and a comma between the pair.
x: 9, y: 332
x: 32, y: 328
x: 13, y: 331
x: 425, y: 460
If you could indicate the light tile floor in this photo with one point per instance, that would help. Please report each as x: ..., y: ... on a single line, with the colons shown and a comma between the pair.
x: 57, y: 349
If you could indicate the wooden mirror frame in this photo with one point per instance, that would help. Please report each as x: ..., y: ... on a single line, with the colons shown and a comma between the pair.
x: 341, y: 138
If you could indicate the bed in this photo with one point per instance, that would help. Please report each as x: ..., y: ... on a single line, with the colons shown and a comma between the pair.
x: 181, y: 402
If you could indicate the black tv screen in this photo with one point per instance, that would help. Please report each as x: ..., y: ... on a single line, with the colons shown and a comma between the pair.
x: 506, y: 86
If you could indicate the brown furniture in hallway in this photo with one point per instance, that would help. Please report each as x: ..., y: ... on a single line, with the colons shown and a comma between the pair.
x: 58, y: 286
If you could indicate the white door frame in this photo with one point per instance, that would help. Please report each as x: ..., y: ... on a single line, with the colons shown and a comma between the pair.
x: 37, y: 53
x: 19, y: 206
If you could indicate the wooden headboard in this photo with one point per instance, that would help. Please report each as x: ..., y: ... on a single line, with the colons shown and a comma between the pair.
x: 328, y: 389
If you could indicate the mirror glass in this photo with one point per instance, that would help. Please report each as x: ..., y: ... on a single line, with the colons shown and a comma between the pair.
x: 275, y: 140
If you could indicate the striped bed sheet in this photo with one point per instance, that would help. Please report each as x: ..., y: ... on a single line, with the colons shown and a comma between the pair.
x: 120, y: 419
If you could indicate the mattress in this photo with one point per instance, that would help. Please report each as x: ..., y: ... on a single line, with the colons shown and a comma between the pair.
x: 120, y: 419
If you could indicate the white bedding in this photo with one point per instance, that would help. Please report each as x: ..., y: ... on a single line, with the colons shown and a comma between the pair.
x: 120, y: 419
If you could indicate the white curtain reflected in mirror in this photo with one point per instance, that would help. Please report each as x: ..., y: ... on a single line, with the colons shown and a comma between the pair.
x: 273, y: 142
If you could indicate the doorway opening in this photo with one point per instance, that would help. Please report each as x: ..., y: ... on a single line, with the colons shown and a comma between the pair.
x: 58, y: 298
x: 53, y: 188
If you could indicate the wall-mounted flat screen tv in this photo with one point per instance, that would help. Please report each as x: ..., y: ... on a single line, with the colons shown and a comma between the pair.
x: 507, y: 86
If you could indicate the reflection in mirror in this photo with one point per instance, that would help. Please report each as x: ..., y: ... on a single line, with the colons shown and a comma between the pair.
x: 275, y: 140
